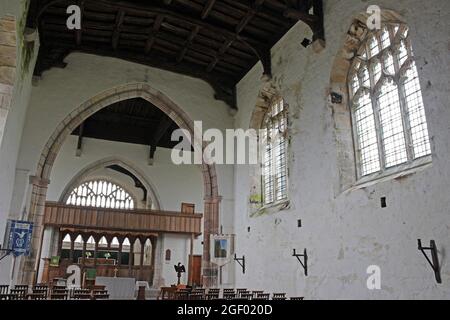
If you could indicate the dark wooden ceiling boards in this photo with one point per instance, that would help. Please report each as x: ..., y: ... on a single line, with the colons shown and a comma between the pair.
x: 132, y: 121
x: 218, y: 41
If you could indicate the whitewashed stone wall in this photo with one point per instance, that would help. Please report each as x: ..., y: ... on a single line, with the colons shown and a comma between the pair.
x: 61, y: 91
x: 15, y: 87
x: 345, y: 233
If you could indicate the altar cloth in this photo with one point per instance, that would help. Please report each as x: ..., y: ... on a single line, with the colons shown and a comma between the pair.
x: 118, y: 288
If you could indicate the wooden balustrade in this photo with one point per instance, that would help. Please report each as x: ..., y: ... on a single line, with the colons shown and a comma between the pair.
x: 60, y: 215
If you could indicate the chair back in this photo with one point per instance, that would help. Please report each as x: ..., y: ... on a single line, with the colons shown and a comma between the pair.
x: 279, y: 296
x: 4, y: 289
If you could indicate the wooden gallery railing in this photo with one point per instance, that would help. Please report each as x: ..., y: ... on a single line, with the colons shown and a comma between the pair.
x: 60, y: 215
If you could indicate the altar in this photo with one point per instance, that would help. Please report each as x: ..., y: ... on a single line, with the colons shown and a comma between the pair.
x: 118, y: 288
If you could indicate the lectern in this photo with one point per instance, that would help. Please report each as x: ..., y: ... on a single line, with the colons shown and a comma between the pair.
x: 179, y: 269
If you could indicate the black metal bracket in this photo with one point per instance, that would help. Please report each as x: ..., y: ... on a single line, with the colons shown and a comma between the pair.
x: 241, y: 262
x: 304, y: 263
x: 434, y: 262
x: 4, y: 253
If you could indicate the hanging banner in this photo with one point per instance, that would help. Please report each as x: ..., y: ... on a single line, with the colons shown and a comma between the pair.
x: 18, y: 237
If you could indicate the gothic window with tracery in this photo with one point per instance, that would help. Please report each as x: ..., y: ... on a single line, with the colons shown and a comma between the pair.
x: 101, y: 194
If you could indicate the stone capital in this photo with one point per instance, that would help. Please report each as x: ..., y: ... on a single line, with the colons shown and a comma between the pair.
x: 38, y: 181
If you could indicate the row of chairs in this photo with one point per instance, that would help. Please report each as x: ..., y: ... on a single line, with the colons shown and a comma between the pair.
x: 227, y: 294
x: 44, y: 292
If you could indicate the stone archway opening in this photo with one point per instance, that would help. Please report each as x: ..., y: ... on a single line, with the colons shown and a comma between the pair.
x: 39, y: 183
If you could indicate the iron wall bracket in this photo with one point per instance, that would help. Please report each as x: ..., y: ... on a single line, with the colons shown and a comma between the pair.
x: 434, y: 262
x: 241, y: 262
x: 304, y: 261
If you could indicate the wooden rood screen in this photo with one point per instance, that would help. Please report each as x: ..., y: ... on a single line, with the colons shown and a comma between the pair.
x: 61, y: 215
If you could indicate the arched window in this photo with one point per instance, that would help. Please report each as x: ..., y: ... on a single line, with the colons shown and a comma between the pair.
x: 274, y: 153
x: 389, y: 123
x: 168, y: 255
x: 102, y: 194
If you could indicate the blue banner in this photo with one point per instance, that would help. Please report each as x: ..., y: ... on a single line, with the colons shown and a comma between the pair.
x: 20, y: 236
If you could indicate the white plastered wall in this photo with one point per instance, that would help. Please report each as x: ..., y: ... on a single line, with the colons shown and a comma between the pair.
x: 60, y: 91
x: 345, y: 233
x: 10, y: 142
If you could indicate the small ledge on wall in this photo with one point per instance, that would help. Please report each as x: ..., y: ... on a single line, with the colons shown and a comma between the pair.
x: 258, y: 209
x: 397, y: 173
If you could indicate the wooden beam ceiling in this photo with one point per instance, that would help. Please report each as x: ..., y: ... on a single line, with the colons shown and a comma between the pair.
x: 218, y: 41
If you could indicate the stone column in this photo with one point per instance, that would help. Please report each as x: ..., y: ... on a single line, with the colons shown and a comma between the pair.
x: 30, y: 265
x: 158, y: 243
x: 119, y: 254
x: 131, y: 258
x: 211, y: 226
x: 95, y: 251
x: 141, y: 260
x: 72, y: 247
x: 152, y: 274
x: 83, y: 254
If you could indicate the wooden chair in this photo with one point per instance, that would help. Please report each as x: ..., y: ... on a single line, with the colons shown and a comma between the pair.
x: 181, y: 295
x: 228, y: 291
x: 298, y: 298
x: 196, y: 296
x: 211, y: 296
x: 59, y: 294
x: 239, y: 292
x: 81, y: 294
x: 57, y: 288
x: 20, y: 293
x: 37, y: 296
x: 41, y: 286
x: 279, y: 296
x: 199, y: 290
x: 166, y: 293
x: 21, y: 287
x: 229, y: 295
x: 262, y: 296
x: 41, y: 290
x: 214, y: 291
x: 101, y: 295
x: 4, y: 289
x: 9, y: 296
x: 247, y: 296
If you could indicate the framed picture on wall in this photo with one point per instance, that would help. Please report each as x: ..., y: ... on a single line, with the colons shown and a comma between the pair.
x: 222, y: 248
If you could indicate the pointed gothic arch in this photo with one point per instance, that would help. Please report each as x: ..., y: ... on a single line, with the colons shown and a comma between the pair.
x: 50, y: 151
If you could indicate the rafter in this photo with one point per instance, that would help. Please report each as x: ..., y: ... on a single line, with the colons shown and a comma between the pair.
x: 207, y: 9
x: 152, y: 34
x: 80, y: 140
x: 217, y: 41
x: 188, y: 43
x: 79, y: 33
x: 117, y: 29
x: 160, y: 131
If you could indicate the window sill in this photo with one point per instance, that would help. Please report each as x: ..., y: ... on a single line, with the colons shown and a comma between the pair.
x: 272, y: 208
x: 398, y: 172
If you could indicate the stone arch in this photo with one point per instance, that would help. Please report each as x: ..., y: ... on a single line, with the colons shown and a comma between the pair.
x: 50, y: 151
x: 85, y: 173
x: 8, y: 64
x: 339, y: 101
x: 268, y: 94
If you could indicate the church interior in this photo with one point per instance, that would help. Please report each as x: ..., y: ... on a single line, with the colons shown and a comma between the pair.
x: 348, y: 102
